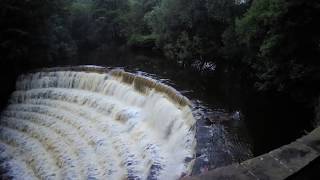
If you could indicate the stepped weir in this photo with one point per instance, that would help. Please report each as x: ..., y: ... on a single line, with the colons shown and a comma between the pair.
x: 91, y: 122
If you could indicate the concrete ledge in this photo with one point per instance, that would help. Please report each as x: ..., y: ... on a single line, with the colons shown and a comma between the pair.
x: 266, y: 167
x: 231, y: 172
x: 276, y: 165
x: 312, y: 139
x: 294, y: 156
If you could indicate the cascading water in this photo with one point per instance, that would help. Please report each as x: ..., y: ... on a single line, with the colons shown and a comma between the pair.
x: 95, y: 123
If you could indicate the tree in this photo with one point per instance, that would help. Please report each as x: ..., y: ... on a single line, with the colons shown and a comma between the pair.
x: 200, y: 24
x: 24, y: 30
x: 282, y: 45
x: 139, y: 33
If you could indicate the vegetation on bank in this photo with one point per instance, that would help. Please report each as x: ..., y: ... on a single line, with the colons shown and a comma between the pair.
x: 275, y: 43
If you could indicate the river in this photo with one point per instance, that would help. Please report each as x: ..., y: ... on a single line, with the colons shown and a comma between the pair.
x: 233, y: 123
x: 255, y: 123
x: 223, y: 141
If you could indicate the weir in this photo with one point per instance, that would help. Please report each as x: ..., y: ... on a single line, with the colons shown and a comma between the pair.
x: 90, y: 122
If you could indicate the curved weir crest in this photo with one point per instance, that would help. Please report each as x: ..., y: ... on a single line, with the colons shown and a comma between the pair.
x: 94, y: 123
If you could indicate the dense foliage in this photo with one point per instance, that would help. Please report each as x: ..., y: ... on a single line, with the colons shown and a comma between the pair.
x: 276, y: 41
x: 24, y: 29
x: 282, y: 39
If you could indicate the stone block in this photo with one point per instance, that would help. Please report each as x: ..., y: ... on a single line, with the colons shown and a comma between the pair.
x: 266, y: 168
x: 294, y: 156
x: 312, y: 139
x: 231, y: 172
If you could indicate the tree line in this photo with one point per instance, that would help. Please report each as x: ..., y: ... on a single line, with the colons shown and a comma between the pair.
x: 275, y: 43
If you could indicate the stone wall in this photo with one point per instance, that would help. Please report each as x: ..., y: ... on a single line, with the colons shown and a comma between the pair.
x: 278, y: 164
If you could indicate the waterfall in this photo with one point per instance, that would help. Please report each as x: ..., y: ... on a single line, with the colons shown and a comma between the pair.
x: 95, y: 123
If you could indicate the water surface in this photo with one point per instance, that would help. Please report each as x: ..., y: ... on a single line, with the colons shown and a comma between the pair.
x: 222, y: 134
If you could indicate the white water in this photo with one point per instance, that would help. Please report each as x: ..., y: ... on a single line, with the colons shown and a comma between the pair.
x: 90, y: 125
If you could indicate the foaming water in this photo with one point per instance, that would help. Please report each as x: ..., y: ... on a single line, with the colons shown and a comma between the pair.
x: 95, y: 123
